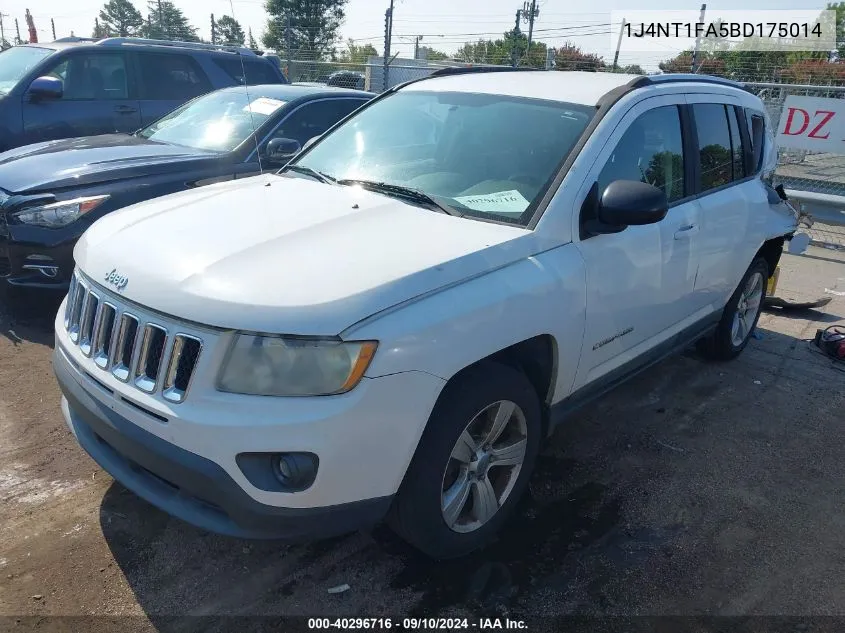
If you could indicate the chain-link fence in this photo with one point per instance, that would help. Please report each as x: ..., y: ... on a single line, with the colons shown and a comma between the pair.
x: 373, y: 75
x: 815, y: 179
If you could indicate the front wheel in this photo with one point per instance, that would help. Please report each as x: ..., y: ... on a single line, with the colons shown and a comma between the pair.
x: 472, y: 464
x: 740, y: 315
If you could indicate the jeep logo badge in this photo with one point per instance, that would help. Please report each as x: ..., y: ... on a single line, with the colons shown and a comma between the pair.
x: 116, y: 279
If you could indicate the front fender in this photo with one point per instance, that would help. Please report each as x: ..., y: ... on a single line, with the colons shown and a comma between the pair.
x: 443, y: 333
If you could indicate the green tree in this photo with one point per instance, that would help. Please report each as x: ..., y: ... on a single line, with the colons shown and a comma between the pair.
x: 633, y: 69
x: 839, y: 8
x: 432, y: 54
x: 118, y: 18
x: 165, y: 21
x: 503, y: 51
x: 313, y: 24
x: 356, y: 54
x: 99, y: 31
x: 571, y: 57
x: 229, y: 31
x: 250, y: 40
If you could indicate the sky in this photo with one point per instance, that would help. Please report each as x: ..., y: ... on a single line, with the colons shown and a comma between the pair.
x: 444, y: 24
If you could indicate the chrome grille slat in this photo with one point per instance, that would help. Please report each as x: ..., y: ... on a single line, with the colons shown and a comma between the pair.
x: 71, y: 297
x: 180, y: 367
x: 130, y: 346
x: 125, y: 346
x: 76, y: 311
x: 104, y: 335
x: 88, y: 321
x: 150, y: 355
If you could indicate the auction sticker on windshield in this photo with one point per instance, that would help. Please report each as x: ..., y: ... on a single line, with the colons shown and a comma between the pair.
x: 264, y: 105
x: 498, y: 202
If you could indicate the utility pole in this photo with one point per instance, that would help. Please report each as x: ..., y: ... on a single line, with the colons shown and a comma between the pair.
x: 33, y: 34
x: 213, y: 30
x: 2, y: 33
x: 693, y: 66
x: 288, y: 37
x: 532, y: 12
x: 53, y: 26
x: 514, y: 52
x: 619, y: 45
x: 18, y: 33
x: 162, y: 32
x: 388, y: 32
x: 417, y: 46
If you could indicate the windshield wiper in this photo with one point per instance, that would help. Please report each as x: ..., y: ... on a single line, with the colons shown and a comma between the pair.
x: 402, y: 192
x: 308, y: 171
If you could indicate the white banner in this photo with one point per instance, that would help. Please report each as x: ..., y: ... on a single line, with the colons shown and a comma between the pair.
x: 812, y: 123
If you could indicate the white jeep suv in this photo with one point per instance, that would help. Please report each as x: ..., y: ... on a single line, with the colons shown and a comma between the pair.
x: 391, y: 327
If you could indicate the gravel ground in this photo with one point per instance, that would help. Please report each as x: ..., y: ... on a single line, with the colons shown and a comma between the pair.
x: 696, y: 489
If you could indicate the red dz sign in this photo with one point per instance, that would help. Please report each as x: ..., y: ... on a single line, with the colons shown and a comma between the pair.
x: 812, y: 123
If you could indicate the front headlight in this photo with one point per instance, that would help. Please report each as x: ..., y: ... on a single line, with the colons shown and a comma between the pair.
x: 280, y: 366
x: 59, y: 214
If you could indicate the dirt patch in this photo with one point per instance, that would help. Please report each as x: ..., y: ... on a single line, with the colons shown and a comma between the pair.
x: 695, y: 489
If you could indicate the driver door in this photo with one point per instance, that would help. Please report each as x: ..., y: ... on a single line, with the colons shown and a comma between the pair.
x: 640, y: 281
x: 96, y: 99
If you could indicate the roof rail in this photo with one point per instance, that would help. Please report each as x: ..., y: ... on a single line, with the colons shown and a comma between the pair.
x: 74, y: 38
x: 461, y: 70
x: 677, y: 77
x: 140, y: 41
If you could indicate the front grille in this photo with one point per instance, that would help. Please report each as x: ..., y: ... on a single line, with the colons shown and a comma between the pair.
x: 135, y: 350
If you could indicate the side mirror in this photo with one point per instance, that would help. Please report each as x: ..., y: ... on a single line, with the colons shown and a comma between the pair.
x: 282, y: 149
x: 629, y: 202
x: 46, y: 88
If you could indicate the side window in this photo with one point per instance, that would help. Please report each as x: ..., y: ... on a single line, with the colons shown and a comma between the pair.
x: 651, y: 151
x: 757, y: 133
x: 92, y: 76
x: 165, y: 77
x: 714, y: 144
x: 312, y: 119
x: 257, y: 72
x: 737, y: 148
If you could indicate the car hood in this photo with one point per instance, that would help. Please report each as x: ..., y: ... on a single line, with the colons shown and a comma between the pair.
x: 88, y: 160
x: 288, y: 255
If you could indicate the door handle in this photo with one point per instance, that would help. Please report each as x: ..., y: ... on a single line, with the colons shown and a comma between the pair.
x: 125, y: 109
x: 688, y: 230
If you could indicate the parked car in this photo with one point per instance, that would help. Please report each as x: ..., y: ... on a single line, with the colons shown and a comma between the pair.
x: 397, y: 321
x: 65, y: 89
x: 346, y: 79
x: 50, y: 193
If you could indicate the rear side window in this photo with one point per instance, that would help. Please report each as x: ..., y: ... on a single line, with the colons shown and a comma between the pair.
x: 651, y: 151
x: 92, y: 76
x: 757, y: 133
x: 737, y: 149
x: 166, y: 76
x: 714, y: 144
x: 312, y: 119
x: 257, y: 72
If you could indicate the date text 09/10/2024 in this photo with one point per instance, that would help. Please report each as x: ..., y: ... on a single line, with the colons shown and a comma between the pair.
x: 415, y: 624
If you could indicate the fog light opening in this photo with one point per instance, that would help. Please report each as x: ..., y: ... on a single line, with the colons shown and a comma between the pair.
x: 295, y: 470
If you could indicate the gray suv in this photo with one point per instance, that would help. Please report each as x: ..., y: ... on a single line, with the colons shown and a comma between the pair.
x: 65, y: 89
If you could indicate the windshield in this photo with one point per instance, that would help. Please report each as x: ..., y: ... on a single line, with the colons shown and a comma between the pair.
x: 16, y: 62
x: 219, y: 121
x: 487, y: 156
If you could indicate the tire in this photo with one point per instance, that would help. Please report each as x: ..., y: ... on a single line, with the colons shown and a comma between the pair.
x: 469, y: 402
x: 726, y: 343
